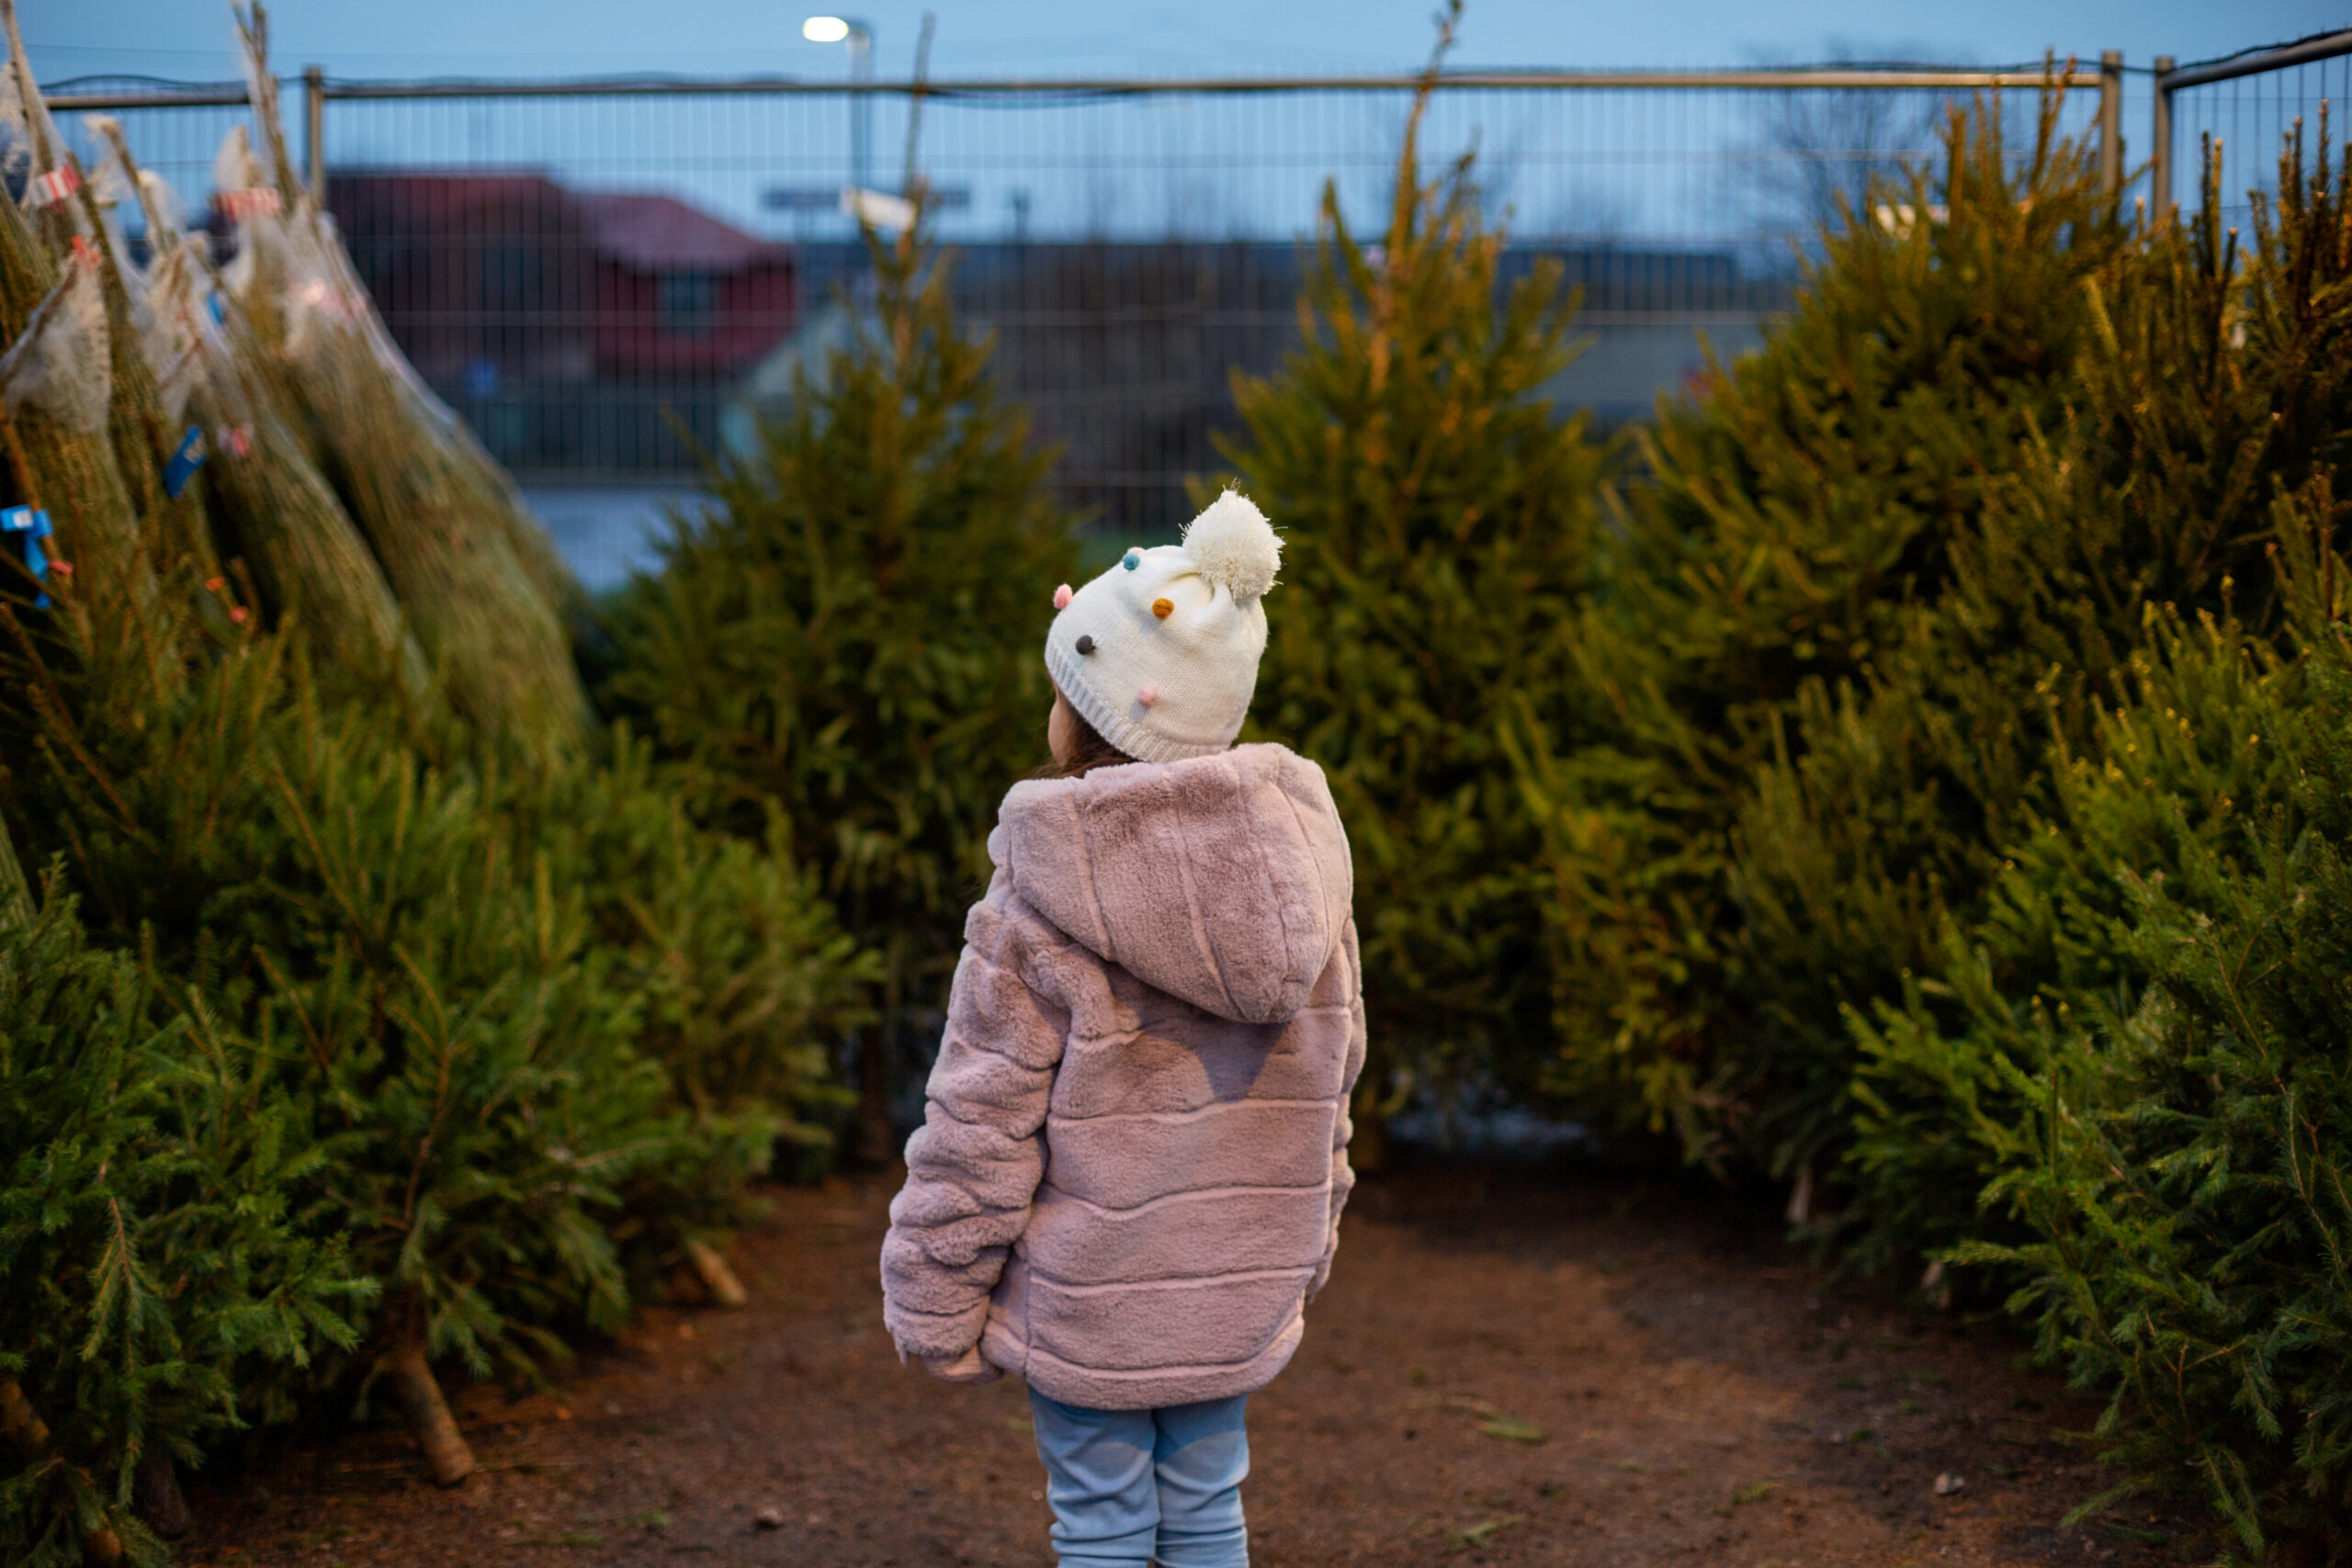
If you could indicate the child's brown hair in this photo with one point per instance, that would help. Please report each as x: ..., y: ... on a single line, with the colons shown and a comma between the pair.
x: 1089, y: 752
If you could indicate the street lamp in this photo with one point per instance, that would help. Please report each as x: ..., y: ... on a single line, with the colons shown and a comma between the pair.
x: 859, y: 36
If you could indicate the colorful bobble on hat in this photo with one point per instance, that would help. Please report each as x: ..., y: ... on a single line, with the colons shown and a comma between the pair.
x: 1085, y: 645
x: 1163, y: 608
x: 1148, y: 695
x: 1061, y: 597
x: 1132, y: 559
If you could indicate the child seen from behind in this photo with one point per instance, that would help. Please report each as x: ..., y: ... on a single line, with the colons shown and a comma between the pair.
x: 1129, y: 1181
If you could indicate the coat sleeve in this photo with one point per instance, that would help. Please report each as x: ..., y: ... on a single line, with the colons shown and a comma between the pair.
x: 974, y: 1167
x: 1343, y: 1176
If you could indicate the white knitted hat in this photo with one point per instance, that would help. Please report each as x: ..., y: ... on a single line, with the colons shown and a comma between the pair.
x: 1159, y: 653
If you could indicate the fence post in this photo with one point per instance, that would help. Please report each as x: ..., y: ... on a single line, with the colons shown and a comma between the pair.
x: 314, y: 129
x: 2111, y: 123
x: 2160, y: 130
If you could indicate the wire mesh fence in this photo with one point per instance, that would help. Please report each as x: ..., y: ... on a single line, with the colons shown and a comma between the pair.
x: 2248, y: 119
x: 612, y: 280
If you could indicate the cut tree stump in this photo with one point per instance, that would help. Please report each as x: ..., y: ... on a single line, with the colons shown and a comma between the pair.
x: 446, y: 1453
x: 716, y: 1277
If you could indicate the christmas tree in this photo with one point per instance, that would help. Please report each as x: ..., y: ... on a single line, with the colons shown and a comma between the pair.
x: 60, y: 439
x: 156, y: 1260
x: 1790, y: 548
x: 849, y: 636
x: 519, y: 1033
x: 1438, y: 518
x: 276, y: 514
x: 476, y: 576
x: 2163, y: 1119
x: 2212, y: 384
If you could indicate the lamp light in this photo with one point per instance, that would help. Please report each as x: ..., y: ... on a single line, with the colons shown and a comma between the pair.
x: 859, y: 36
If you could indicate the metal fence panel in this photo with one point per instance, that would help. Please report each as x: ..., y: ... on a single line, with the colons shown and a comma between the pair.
x: 2249, y: 115
x: 609, y: 280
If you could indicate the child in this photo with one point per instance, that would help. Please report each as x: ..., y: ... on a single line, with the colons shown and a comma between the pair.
x: 1129, y: 1181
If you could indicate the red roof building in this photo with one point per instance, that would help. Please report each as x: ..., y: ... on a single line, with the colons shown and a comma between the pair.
x: 491, y: 279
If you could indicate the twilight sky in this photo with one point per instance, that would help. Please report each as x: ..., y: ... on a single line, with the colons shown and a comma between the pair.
x: 189, y: 39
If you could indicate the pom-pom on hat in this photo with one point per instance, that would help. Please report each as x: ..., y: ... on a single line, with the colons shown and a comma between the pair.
x: 1159, y: 653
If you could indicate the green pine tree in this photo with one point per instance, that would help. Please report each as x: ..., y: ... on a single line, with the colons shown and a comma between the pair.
x: 2165, y: 1119
x: 539, y: 1027
x: 1787, y: 791
x: 850, y: 635
x: 1439, y: 516
x: 158, y: 1254
x: 2210, y: 385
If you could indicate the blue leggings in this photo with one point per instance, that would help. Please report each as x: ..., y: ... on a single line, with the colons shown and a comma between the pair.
x: 1132, y: 1486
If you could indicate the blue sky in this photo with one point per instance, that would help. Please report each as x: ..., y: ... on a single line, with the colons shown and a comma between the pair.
x: 189, y: 39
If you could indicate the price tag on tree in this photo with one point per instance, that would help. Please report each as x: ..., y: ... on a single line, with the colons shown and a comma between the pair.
x: 183, y: 463
x: 27, y: 529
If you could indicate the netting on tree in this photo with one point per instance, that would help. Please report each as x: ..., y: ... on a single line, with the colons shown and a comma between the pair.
x: 479, y: 582
x: 59, y: 367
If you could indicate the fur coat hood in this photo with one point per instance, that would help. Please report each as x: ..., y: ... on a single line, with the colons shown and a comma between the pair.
x: 1226, y: 882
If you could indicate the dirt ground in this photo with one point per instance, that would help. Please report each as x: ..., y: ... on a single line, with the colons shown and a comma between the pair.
x: 1506, y: 1368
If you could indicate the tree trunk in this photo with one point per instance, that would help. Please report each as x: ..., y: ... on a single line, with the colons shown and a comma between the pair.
x: 877, y: 1132
x: 156, y: 1489
x: 716, y: 1277
x: 1368, y: 1146
x: 1800, y: 1209
x: 446, y: 1453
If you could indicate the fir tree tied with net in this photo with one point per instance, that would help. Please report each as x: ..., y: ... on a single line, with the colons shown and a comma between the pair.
x: 849, y: 635
x: 1438, y: 515
x: 435, y: 1062
x: 476, y: 577
x: 276, y: 513
x: 143, y: 440
x: 59, y: 438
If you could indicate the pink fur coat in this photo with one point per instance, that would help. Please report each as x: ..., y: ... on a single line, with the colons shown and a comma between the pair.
x: 1129, y: 1181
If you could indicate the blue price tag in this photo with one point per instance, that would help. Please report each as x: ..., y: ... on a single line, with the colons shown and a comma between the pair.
x: 183, y: 463
x: 32, y: 527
